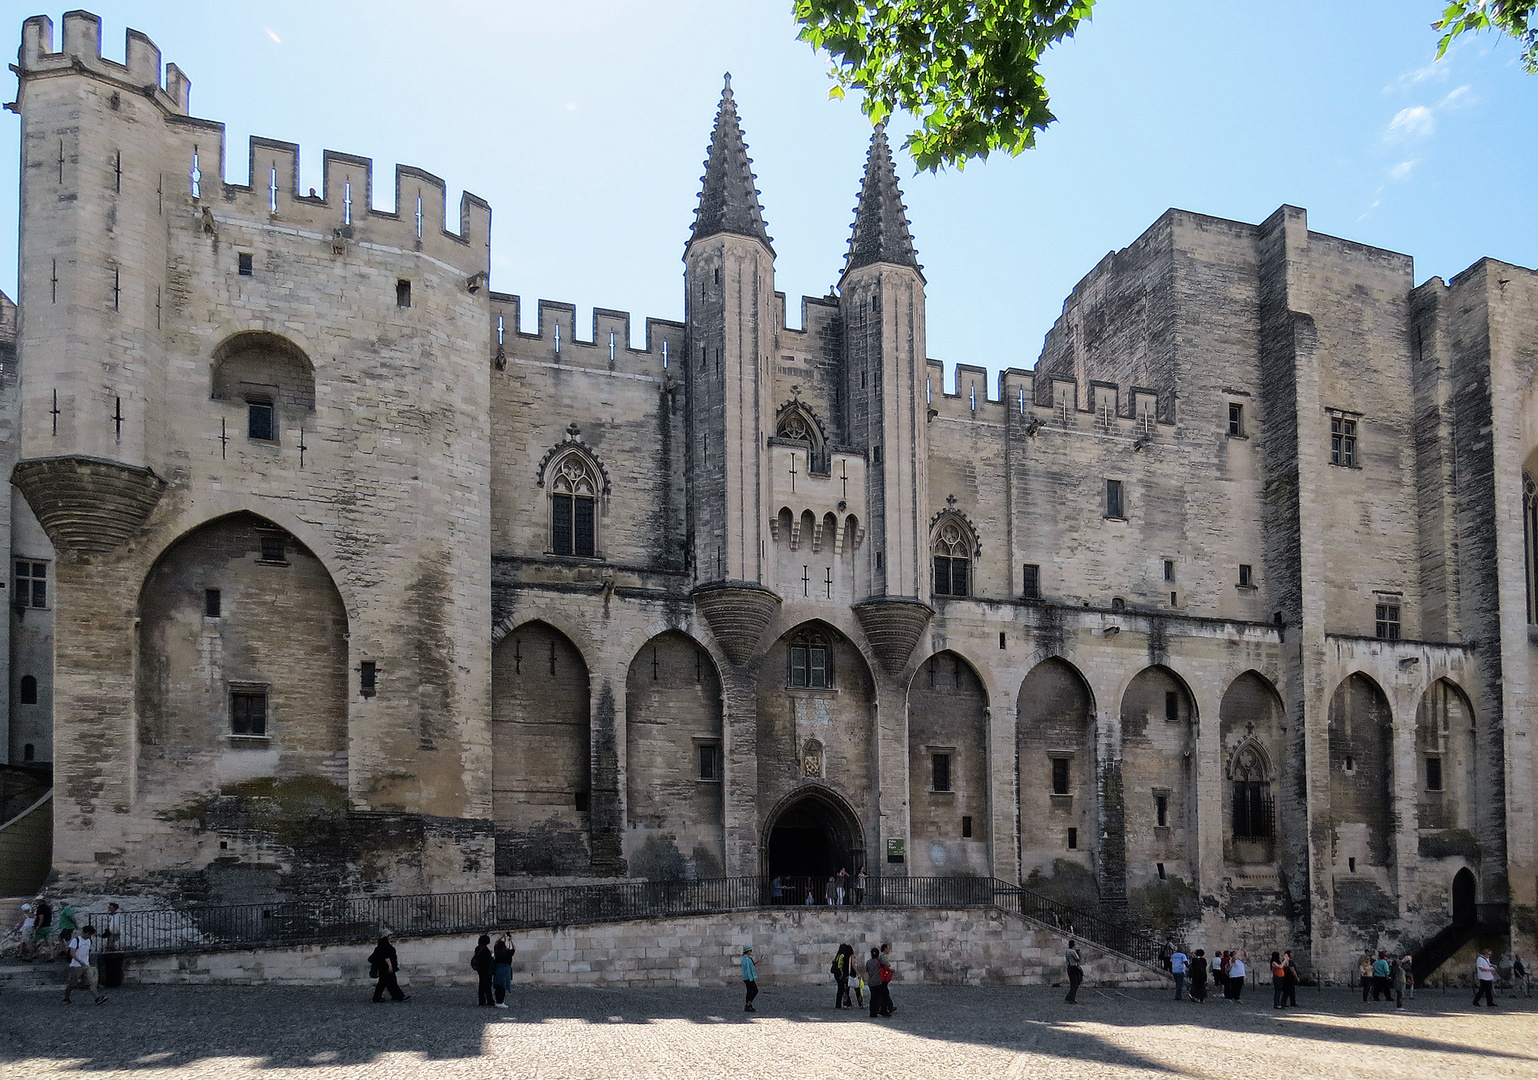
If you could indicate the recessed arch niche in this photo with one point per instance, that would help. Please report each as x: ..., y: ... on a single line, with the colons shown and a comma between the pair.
x: 948, y: 770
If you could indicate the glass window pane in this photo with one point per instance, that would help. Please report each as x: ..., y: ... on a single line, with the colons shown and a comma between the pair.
x: 959, y: 577
x: 798, y: 665
x: 582, y: 541
x: 560, y: 524
x: 819, y: 666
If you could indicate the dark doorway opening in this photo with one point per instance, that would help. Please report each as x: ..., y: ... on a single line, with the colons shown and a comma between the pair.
x: 808, y: 843
x: 1465, y: 911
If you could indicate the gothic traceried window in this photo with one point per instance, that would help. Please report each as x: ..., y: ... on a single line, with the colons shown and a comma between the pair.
x: 953, y: 558
x: 795, y: 424
x: 574, y: 490
x: 1253, y: 808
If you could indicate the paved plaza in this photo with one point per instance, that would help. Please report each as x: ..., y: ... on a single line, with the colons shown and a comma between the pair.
x: 938, y: 1032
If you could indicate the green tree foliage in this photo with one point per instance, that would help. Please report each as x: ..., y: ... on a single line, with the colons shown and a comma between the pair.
x: 966, y: 69
x: 1518, y: 18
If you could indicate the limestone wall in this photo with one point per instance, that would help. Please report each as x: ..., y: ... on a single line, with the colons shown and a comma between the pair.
x: 792, y: 947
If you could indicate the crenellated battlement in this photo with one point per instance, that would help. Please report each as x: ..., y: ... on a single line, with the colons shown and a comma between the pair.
x: 1044, y: 400
x: 607, y: 349
x: 140, y: 70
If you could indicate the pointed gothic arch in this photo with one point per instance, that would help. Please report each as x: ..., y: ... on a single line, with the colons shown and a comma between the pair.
x: 796, y: 424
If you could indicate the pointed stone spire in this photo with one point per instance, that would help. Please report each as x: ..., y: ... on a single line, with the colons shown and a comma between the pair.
x: 729, y: 197
x: 880, y: 233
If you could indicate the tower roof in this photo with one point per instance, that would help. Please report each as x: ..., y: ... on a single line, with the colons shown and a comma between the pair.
x: 880, y: 233
x: 729, y: 197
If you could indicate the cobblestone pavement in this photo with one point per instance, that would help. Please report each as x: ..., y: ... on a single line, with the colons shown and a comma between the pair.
x: 938, y: 1032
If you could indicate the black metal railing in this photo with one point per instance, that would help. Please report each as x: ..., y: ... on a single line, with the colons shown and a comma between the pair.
x: 363, y: 918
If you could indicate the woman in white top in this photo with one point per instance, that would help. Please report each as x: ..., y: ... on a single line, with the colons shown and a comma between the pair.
x: 1484, y: 973
x: 1236, y: 977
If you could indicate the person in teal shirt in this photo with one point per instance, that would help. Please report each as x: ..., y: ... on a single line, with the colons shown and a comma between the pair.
x: 749, y: 977
x: 1380, y: 977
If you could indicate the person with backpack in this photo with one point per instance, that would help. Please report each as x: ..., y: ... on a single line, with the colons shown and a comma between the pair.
x: 502, y: 979
x: 484, y: 966
x: 383, y: 966
x: 873, y: 979
x: 888, y: 971
x: 42, y: 933
x: 81, y: 973
x: 1198, y: 970
x: 842, y: 969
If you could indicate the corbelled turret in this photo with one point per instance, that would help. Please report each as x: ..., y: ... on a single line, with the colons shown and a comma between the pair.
x: 880, y: 233
x: 729, y: 197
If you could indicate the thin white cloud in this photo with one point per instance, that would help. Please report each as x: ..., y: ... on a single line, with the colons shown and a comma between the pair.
x: 1459, y: 98
x: 1437, y: 70
x: 1416, y: 122
x: 276, y: 40
x: 1401, y: 171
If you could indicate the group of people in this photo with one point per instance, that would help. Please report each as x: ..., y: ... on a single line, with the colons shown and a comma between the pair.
x: 849, y: 977
x: 1227, y: 970
x: 1387, y: 978
x: 82, y: 946
x: 841, y: 888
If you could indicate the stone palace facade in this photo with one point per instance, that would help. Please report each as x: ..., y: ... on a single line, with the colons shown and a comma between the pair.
x: 1225, y: 612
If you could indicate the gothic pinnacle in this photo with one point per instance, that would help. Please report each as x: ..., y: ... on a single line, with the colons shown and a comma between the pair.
x: 880, y: 233
x: 729, y: 195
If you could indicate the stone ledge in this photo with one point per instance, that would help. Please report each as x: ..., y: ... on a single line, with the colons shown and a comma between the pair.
x: 88, y: 504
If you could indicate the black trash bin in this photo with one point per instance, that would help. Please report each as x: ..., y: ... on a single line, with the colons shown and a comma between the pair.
x: 112, y: 969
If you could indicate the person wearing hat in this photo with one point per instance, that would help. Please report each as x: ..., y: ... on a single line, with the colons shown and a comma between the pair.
x: 27, y: 950
x: 749, y: 977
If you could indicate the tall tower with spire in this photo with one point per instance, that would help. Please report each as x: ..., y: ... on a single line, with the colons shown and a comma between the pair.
x: 729, y: 312
x: 882, y: 300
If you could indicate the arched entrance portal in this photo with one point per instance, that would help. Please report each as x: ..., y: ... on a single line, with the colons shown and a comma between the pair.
x: 809, y: 839
x: 1465, y: 912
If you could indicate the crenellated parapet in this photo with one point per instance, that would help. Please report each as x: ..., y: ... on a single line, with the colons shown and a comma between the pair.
x: 80, y: 50
x: 1044, y: 402
x: 606, y: 348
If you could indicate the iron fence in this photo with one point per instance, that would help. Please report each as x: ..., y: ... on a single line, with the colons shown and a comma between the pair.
x: 363, y: 918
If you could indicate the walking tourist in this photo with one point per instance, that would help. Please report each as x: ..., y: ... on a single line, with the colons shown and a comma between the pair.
x: 384, y: 966
x: 750, y: 976
x: 1075, y: 972
x: 1380, y: 976
x: 859, y: 887
x: 27, y: 949
x: 67, y: 925
x: 1484, y: 975
x: 1166, y: 952
x: 888, y: 973
x: 1364, y: 972
x: 42, y: 931
x: 1235, y: 976
x: 857, y: 977
x: 873, y: 981
x: 1408, y: 963
x: 81, y: 974
x: 1278, y: 981
x: 1198, y: 972
x: 1178, y: 962
x: 484, y: 966
x: 1220, y: 972
x: 1518, y: 977
x: 502, y: 977
x: 112, y: 931
x: 843, y: 965
x: 1396, y: 981
x: 1289, y: 980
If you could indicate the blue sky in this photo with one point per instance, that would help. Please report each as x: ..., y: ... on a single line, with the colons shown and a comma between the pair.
x: 585, y: 124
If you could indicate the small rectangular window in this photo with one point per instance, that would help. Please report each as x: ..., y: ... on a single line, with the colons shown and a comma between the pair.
x: 1235, y: 419
x: 1171, y: 705
x: 1343, y: 442
x: 1351, y: 864
x: 248, y: 712
x: 1246, y: 576
x: 1433, y: 774
x: 403, y: 293
x: 1113, y: 500
x: 244, y: 262
x: 710, y: 761
x: 368, y: 678
x: 1387, y: 621
x: 1031, y: 588
x: 581, y: 802
x: 29, y: 689
x: 1169, y: 569
x: 1003, y: 639
x: 274, y: 550
x: 1161, y: 810
x: 966, y: 827
x: 211, y: 603
x: 1160, y: 868
x: 31, y: 584
x: 260, y: 423
x: 941, y: 769
x: 1060, y: 776
x: 1073, y: 839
